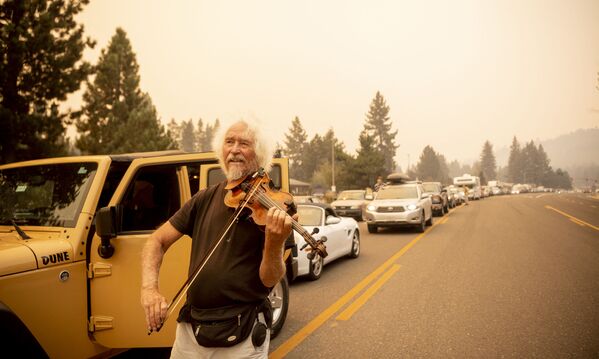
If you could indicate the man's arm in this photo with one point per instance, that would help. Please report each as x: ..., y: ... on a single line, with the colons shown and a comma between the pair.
x: 278, y: 228
x: 152, y: 301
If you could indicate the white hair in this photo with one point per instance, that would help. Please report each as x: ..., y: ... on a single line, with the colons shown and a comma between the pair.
x: 263, y: 147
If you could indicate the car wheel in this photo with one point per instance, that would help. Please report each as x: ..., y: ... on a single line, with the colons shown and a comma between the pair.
x: 316, y: 265
x: 429, y: 222
x: 420, y: 227
x: 355, y: 245
x: 372, y: 228
x: 279, y: 300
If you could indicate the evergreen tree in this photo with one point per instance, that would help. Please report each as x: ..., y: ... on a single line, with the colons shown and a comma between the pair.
x: 545, y: 171
x: 530, y: 164
x: 188, y: 137
x: 378, y: 124
x: 141, y: 131
x: 295, y: 145
x: 112, y: 100
x: 515, y: 162
x: 443, y: 170
x: 206, y: 134
x: 174, y: 129
x: 428, y: 167
x: 369, y: 163
x: 487, y: 163
x: 41, y: 47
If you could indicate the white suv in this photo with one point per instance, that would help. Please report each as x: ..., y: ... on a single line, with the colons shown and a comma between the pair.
x: 399, y: 205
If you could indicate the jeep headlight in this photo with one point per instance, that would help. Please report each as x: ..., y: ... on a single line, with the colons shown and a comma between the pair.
x: 371, y: 208
x: 411, y: 207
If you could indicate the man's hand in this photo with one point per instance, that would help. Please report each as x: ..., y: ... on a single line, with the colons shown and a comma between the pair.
x: 278, y: 228
x: 155, y: 307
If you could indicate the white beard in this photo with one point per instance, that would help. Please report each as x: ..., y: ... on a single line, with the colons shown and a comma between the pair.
x: 235, y: 172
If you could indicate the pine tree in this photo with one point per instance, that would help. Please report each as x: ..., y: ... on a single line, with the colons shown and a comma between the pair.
x: 428, y: 167
x: 369, y: 163
x: 112, y: 100
x: 206, y: 134
x: 487, y: 163
x: 141, y: 131
x: 174, y: 129
x: 295, y: 145
x: 443, y: 169
x: 378, y: 124
x: 515, y: 162
x: 188, y: 138
x: 41, y: 47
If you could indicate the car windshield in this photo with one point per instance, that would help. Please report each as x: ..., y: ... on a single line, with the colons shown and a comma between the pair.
x: 399, y: 192
x: 309, y: 215
x: 350, y: 195
x: 45, y: 195
x: 430, y: 187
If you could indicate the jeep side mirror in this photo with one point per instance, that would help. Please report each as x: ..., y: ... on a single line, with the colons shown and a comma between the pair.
x: 106, y: 228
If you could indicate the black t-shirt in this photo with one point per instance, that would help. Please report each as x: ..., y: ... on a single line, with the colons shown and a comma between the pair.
x: 231, y: 276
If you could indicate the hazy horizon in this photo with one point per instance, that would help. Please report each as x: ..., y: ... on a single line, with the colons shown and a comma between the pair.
x: 454, y: 74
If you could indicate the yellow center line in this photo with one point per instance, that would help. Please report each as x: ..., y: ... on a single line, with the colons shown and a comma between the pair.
x: 577, y: 222
x: 320, y: 319
x: 572, y: 217
x: 358, y: 303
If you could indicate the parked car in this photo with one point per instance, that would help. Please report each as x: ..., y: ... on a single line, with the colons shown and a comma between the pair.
x: 351, y: 203
x: 438, y: 197
x: 307, y: 199
x: 342, y: 237
x: 400, y: 205
x: 452, y: 197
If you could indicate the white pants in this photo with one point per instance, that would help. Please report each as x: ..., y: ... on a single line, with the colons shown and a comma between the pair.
x: 186, y: 346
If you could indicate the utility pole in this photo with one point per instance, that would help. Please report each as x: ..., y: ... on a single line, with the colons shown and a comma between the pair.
x: 333, y: 187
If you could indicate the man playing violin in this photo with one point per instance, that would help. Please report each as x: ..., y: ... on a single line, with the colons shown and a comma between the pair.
x: 228, y: 300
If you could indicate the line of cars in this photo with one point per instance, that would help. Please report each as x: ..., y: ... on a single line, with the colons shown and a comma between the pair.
x: 399, y: 203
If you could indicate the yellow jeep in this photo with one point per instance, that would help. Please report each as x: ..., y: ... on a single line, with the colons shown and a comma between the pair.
x: 66, y: 292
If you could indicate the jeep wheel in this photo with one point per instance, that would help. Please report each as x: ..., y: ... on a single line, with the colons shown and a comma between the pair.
x: 372, y: 228
x: 279, y: 299
x: 316, y: 265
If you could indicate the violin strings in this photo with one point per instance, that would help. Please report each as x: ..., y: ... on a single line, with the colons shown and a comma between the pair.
x: 261, y: 194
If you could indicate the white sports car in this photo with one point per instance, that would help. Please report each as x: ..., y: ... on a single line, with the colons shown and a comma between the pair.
x: 342, y: 237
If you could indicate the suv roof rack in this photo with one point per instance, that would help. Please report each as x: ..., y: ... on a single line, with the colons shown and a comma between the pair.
x: 397, y: 178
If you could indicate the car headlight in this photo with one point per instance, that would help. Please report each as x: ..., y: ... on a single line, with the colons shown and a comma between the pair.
x: 411, y: 207
x: 371, y: 208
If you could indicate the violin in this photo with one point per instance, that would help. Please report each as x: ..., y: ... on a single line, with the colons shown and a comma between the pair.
x: 257, y: 193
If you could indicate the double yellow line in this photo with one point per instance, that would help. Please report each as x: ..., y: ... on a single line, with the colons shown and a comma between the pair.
x: 383, y: 273
x: 580, y: 222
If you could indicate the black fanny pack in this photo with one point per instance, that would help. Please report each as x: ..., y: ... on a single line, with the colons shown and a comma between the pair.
x: 226, y: 326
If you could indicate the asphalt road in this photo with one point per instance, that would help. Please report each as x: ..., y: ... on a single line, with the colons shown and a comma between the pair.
x: 510, y: 276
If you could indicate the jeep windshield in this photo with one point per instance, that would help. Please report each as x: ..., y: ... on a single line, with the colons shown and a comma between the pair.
x: 45, y: 195
x: 405, y: 192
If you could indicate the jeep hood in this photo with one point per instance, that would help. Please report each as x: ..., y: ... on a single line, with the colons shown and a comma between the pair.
x: 15, y: 257
x: 41, y: 251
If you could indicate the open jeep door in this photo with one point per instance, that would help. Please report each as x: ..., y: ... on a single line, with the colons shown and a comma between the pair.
x: 151, y: 191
